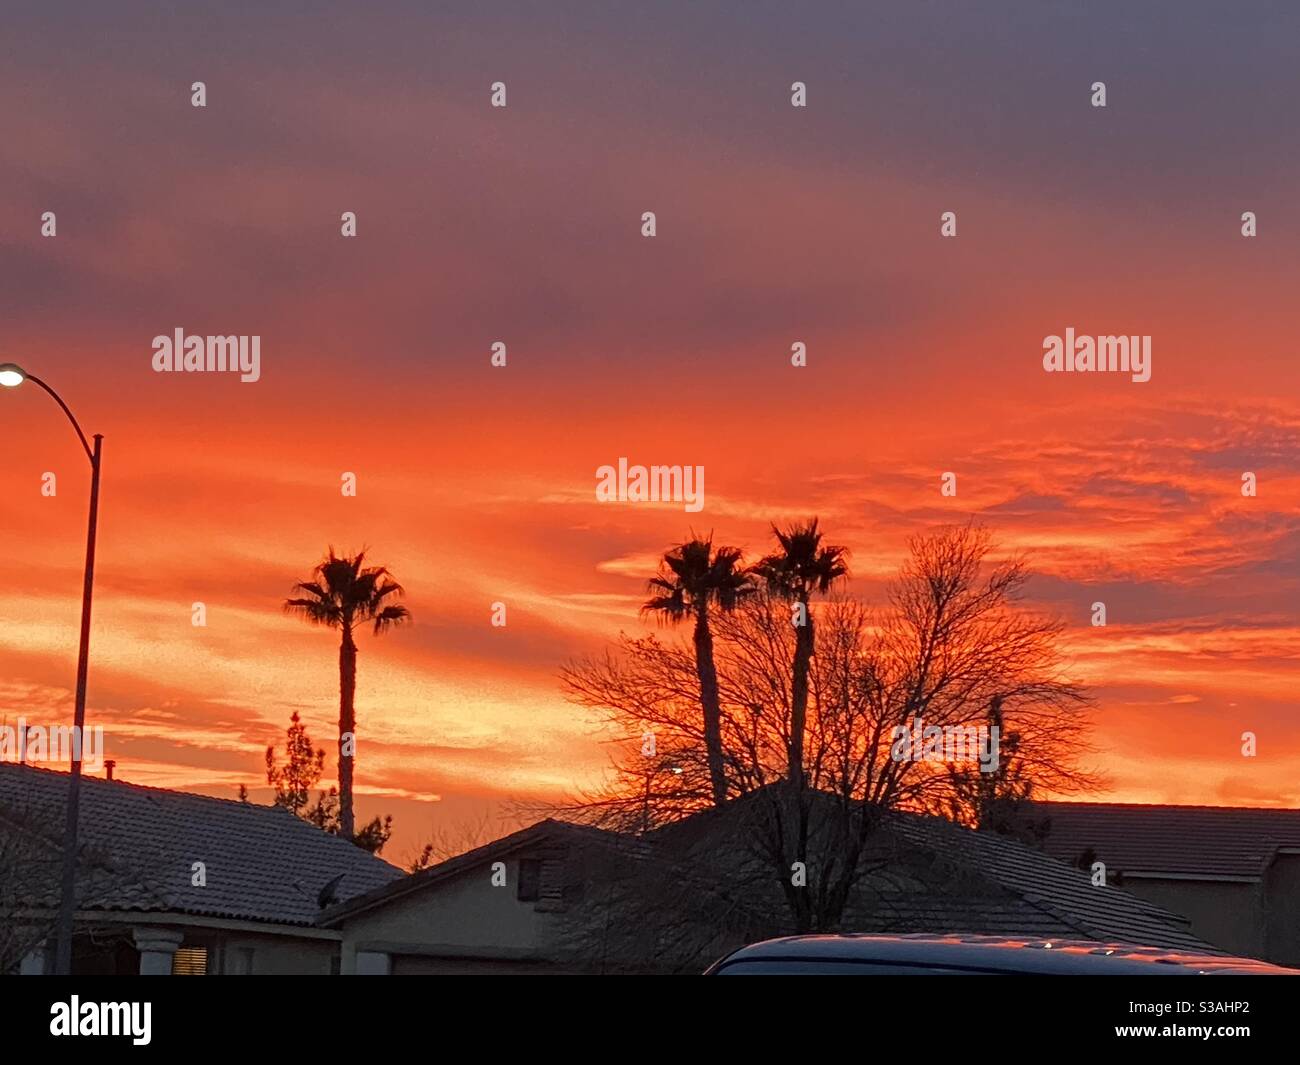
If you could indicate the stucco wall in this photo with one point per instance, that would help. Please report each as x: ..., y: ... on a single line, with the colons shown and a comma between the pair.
x: 1224, y: 914
x: 464, y: 913
x: 276, y: 956
x: 271, y: 955
x: 1282, y: 910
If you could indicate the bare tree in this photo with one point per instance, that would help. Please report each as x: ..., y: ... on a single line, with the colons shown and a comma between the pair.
x: 29, y: 872
x: 951, y: 641
x: 455, y: 838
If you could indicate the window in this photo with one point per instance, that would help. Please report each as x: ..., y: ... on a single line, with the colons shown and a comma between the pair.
x: 529, y: 888
x: 190, y: 961
x: 239, y: 961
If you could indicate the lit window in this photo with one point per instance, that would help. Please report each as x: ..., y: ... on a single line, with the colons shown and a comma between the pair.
x: 190, y: 961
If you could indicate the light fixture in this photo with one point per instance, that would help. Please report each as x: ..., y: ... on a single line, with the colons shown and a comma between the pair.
x: 11, y: 376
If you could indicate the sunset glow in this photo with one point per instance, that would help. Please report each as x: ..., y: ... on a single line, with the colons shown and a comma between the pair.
x: 476, y: 484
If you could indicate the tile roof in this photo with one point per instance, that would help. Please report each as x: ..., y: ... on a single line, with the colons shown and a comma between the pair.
x: 139, y: 844
x: 1208, y: 841
x: 996, y: 885
x: 1046, y: 896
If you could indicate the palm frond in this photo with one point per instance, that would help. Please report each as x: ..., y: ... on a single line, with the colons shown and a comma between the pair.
x: 803, y: 564
x: 342, y: 590
x: 390, y: 616
x: 314, y: 611
x: 694, y: 574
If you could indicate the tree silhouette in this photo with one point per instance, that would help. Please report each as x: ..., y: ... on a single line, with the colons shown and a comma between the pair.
x: 950, y: 640
x: 344, y: 593
x: 303, y: 767
x: 29, y: 868
x: 800, y: 568
x: 996, y: 800
x: 693, y: 576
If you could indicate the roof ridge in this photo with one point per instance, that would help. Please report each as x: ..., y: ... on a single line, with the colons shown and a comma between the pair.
x: 1012, y: 847
x: 1048, y: 804
x: 150, y: 789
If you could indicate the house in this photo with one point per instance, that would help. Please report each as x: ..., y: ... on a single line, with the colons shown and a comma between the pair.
x: 524, y: 903
x: 176, y: 883
x: 557, y: 897
x: 1233, y: 871
x: 173, y: 882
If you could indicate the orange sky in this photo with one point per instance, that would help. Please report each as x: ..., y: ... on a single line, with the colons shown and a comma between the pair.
x: 476, y: 484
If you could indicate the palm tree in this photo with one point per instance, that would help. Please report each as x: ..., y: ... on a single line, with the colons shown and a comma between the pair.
x: 800, y: 568
x: 693, y: 577
x: 342, y: 594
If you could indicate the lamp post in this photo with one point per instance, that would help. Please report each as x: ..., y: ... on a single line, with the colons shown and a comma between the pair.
x: 12, y: 376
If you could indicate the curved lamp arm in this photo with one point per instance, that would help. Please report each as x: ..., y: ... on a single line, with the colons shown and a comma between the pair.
x: 59, y: 400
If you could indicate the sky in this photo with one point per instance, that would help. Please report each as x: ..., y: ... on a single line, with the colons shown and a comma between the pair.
x: 775, y: 225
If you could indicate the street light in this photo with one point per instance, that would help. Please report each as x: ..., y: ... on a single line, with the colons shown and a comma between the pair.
x: 12, y: 376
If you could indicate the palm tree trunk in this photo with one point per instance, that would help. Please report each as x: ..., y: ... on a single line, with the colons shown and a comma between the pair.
x: 803, y: 652
x: 347, y: 731
x: 711, y: 704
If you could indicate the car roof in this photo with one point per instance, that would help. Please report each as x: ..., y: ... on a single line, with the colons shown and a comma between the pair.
x: 1007, y: 954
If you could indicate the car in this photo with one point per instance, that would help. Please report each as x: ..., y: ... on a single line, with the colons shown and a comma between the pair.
x: 930, y: 954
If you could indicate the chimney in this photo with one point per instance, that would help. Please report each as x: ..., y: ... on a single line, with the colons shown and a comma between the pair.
x: 109, y: 763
